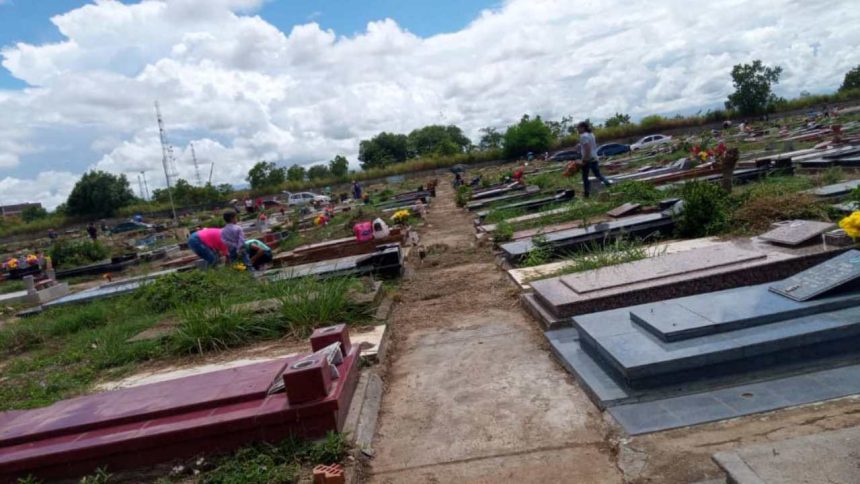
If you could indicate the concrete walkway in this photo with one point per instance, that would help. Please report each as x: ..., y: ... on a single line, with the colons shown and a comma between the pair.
x: 472, y: 393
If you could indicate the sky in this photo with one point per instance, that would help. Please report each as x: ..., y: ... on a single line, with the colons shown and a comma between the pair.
x: 300, y: 81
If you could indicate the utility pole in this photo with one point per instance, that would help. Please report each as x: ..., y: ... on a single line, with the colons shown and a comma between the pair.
x: 140, y: 187
x: 166, y: 159
x: 196, y: 166
x: 211, y: 169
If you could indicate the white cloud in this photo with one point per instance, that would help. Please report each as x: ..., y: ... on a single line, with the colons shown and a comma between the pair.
x: 49, y: 187
x: 243, y: 90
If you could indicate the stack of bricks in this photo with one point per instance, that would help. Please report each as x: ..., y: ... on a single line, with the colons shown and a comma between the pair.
x: 329, y: 474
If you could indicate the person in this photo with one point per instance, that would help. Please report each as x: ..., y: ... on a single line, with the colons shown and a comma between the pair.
x: 356, y: 190
x: 519, y: 173
x: 207, y: 244
x: 588, y: 145
x: 52, y: 234
x: 458, y: 180
x: 260, y: 253
x: 233, y: 238
x: 92, y: 231
x: 249, y: 205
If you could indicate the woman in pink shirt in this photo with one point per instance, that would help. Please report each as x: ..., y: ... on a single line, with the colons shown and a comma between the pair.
x: 207, y: 244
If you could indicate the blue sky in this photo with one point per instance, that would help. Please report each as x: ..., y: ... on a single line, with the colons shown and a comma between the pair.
x: 29, y: 20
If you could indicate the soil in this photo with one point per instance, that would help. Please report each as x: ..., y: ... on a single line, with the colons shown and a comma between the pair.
x: 473, y: 394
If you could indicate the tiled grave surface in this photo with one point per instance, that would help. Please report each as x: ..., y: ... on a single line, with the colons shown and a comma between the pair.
x: 737, y: 401
x: 744, y: 323
x: 174, y: 419
x: 796, y: 232
x: 817, y: 280
x: 695, y: 271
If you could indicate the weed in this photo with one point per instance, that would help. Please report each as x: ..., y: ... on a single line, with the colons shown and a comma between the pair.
x: 637, y: 192
x: 12, y: 286
x: 180, y: 289
x: 66, y: 252
x: 832, y: 175
x: 540, y: 254
x: 309, y: 302
x: 215, y: 326
x: 596, y: 256
x: 756, y: 214
x: 29, y: 479
x: 503, y: 214
x: 503, y: 233
x: 464, y: 193
x: 101, y: 476
x: 706, y: 210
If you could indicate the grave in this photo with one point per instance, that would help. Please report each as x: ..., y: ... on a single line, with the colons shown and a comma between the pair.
x: 624, y: 210
x: 212, y: 412
x: 796, y: 232
x: 485, y: 202
x: 494, y: 192
x: 531, y: 205
x: 386, y: 261
x: 836, y: 191
x: 569, y: 240
x: 706, y: 267
x: 721, y: 354
x: 332, y: 249
x: 525, y: 218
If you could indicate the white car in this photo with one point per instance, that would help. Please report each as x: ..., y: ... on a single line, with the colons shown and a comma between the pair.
x: 303, y: 198
x: 651, y: 141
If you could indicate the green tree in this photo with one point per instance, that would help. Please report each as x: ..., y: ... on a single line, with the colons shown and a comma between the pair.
x: 617, y: 120
x: 266, y: 174
x: 753, y: 84
x: 33, y: 212
x: 491, y: 139
x: 318, y: 172
x: 437, y: 140
x: 383, y: 150
x: 339, y: 166
x: 560, y: 129
x: 852, y: 80
x: 296, y: 173
x: 99, y: 194
x: 527, y: 135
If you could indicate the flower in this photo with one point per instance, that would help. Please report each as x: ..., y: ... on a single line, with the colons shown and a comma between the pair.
x: 400, y: 216
x: 851, y: 225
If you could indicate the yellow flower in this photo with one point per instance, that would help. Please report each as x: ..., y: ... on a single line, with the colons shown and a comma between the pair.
x: 851, y: 225
x: 239, y: 266
x: 400, y: 216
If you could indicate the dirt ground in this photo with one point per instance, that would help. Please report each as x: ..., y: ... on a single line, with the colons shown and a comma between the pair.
x: 474, y: 395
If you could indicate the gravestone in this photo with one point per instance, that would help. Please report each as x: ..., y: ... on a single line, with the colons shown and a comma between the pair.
x: 819, y: 279
x: 623, y: 210
x: 796, y: 232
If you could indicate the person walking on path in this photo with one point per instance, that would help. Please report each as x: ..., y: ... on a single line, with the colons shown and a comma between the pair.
x: 207, y: 244
x: 588, y: 145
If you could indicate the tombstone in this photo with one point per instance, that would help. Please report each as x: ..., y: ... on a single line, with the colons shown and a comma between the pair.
x: 626, y: 209
x: 822, y: 278
x: 796, y: 232
x: 30, y: 285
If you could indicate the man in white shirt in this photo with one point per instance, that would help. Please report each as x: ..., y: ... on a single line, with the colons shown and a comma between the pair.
x: 588, y: 145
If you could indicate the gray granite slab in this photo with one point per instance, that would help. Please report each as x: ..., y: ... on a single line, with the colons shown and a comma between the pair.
x: 796, y: 232
x: 821, y: 278
x: 835, y: 190
x: 623, y: 210
x: 737, y: 401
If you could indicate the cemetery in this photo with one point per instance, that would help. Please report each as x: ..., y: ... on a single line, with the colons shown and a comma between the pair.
x: 704, y: 285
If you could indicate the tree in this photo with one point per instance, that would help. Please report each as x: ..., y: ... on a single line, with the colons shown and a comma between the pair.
x: 528, y: 135
x: 437, y: 140
x: 296, y: 173
x: 383, y: 149
x: 617, y: 120
x: 99, y: 194
x: 852, y: 80
x: 266, y: 174
x: 752, y: 84
x: 318, y: 172
x: 339, y: 167
x: 33, y: 212
x: 560, y: 129
x: 491, y: 139
x: 186, y: 194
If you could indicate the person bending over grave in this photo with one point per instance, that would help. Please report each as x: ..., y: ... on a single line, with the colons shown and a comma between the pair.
x: 259, y: 253
x: 233, y: 238
x: 207, y: 244
x: 588, y: 145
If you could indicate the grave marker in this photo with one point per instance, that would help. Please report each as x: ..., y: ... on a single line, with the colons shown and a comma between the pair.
x: 796, y: 232
x: 819, y: 279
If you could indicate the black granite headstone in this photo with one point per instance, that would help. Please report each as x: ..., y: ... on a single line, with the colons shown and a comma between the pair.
x: 819, y: 279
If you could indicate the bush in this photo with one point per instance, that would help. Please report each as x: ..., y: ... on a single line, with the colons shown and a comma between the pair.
x: 503, y: 233
x: 464, y: 193
x: 706, y: 210
x: 72, y: 253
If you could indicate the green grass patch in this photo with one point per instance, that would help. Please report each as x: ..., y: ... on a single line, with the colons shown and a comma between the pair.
x: 596, y: 256
x: 12, y: 286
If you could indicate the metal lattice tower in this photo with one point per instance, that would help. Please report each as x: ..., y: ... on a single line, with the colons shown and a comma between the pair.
x: 196, y: 166
x: 167, y: 160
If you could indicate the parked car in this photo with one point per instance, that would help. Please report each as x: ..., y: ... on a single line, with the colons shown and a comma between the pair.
x: 130, y: 227
x: 651, y: 141
x: 567, y: 155
x: 612, y: 149
x: 304, y: 198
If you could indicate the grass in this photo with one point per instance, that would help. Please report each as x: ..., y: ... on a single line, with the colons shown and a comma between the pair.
x: 12, y: 286
x: 63, y: 352
x: 596, y: 256
x: 285, y: 462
